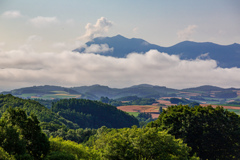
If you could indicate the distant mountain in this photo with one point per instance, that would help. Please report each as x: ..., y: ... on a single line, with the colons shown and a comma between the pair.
x: 122, y: 46
x: 227, y: 56
x: 144, y: 90
x: 95, y: 92
x: 205, y: 88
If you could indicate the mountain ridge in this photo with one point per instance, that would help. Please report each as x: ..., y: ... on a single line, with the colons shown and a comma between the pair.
x: 95, y: 92
x: 226, y: 56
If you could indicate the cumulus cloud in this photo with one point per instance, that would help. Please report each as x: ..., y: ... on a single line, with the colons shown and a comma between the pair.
x: 11, y: 14
x: 99, y: 29
x: 19, y: 68
x: 43, y: 21
x: 186, y: 33
x: 96, y: 48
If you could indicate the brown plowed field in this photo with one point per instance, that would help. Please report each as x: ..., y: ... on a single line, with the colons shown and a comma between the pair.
x: 153, y: 109
x: 141, y: 108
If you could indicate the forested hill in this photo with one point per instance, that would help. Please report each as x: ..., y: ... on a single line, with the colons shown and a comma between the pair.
x: 71, y: 113
x: 93, y: 114
x: 45, y: 115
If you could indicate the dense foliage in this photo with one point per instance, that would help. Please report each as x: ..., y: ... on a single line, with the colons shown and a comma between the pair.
x: 135, y: 101
x: 93, y: 114
x: 32, y: 107
x: 111, y: 101
x: 139, y: 144
x: 142, y: 101
x: 212, y: 133
x: 178, y: 101
x: 79, y: 135
x: 21, y: 136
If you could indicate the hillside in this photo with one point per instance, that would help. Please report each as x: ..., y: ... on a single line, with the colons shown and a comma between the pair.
x: 227, y: 56
x: 32, y: 107
x: 71, y: 113
x: 93, y: 114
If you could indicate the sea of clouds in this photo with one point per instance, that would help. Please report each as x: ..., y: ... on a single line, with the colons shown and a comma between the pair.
x: 24, y: 66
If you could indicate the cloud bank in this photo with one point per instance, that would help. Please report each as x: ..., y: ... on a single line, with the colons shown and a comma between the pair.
x: 21, y: 68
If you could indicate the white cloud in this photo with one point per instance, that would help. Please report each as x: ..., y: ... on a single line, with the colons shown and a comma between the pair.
x: 99, y: 29
x: 204, y: 56
x: 11, y: 14
x: 95, y: 48
x: 44, y: 21
x: 19, y: 68
x: 186, y: 33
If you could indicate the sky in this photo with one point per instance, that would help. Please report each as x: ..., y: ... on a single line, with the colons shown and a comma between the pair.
x: 37, y: 39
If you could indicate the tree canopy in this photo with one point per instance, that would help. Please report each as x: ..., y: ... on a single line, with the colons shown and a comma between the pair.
x: 93, y: 114
x: 140, y: 143
x: 21, y: 135
x: 213, y: 133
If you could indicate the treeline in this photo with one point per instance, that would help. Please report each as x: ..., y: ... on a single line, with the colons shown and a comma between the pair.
x: 21, y: 138
x: 212, y: 133
x: 71, y: 113
x: 32, y: 107
x: 93, y: 114
x: 129, y: 100
x: 180, y: 132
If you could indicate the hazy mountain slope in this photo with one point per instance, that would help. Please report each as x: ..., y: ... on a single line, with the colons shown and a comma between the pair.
x: 226, y: 55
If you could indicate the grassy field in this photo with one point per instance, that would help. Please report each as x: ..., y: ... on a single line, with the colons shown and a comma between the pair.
x: 54, y: 95
x: 135, y: 114
x: 237, y: 111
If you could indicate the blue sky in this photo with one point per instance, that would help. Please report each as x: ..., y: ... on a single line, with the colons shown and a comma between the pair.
x: 42, y: 29
x: 156, y: 21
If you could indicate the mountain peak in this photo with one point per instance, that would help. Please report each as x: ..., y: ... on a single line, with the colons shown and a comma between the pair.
x: 227, y: 56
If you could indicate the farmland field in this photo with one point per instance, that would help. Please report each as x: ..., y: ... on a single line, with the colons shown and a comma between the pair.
x: 141, y: 108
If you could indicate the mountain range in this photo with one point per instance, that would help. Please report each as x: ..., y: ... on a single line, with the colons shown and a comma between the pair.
x: 226, y: 56
x: 95, y: 92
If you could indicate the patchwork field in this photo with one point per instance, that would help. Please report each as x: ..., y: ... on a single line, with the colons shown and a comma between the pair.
x: 54, y: 95
x: 154, y: 110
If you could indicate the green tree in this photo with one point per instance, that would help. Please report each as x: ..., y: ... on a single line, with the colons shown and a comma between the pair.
x: 26, y: 131
x: 140, y: 144
x: 4, y: 155
x: 69, y: 149
x: 212, y: 133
